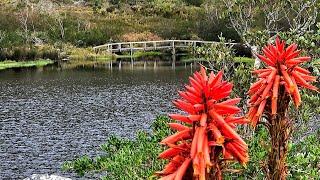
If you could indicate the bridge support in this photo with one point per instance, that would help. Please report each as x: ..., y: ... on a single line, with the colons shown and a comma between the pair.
x: 131, y: 50
x: 155, y: 45
x: 173, y: 65
x: 173, y: 51
x: 119, y: 47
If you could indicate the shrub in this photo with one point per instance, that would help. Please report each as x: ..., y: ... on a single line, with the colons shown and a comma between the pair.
x: 143, y: 36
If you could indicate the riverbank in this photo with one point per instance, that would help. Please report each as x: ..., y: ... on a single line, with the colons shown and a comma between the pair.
x: 139, y: 54
x: 23, y: 64
x: 246, y: 60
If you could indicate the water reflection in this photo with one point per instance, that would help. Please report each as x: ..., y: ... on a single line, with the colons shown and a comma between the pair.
x: 133, y: 63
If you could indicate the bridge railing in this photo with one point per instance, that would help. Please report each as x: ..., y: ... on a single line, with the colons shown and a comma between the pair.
x: 151, y: 45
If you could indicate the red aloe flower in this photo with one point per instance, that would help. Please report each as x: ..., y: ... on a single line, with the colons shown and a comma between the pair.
x: 206, y: 132
x: 282, y: 69
x: 271, y: 94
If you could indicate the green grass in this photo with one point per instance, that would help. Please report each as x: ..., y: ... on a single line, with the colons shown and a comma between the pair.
x: 316, y: 61
x: 87, y: 54
x: 21, y: 64
x: 189, y: 60
x: 236, y: 59
x: 244, y: 60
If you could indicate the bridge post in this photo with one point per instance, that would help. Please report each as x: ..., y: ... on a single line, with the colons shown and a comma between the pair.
x: 173, y: 48
x: 131, y: 50
x: 173, y: 65
x: 194, y: 47
x: 119, y: 47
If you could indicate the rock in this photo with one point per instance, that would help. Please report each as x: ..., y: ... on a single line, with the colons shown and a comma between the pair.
x: 80, y: 3
x: 46, y: 177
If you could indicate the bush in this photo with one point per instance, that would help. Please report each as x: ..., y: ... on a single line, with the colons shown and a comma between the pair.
x: 26, y: 53
x: 144, y: 36
x: 50, y: 54
x: 194, y: 2
x: 31, y: 54
x: 4, y: 54
x: 17, y: 54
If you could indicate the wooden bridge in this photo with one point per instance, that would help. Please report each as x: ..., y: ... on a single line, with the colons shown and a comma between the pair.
x: 152, y: 45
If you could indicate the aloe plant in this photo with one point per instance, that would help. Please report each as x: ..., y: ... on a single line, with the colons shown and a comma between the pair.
x: 206, y: 136
x: 277, y: 85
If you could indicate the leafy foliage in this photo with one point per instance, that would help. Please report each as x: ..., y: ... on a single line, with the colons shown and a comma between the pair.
x: 26, y: 53
x: 303, y: 158
x: 219, y: 55
x: 222, y: 56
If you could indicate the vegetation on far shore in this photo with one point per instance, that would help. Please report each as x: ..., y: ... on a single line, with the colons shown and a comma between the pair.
x: 138, y: 54
x: 236, y: 59
x: 28, y: 28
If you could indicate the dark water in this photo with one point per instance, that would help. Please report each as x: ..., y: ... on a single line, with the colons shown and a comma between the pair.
x: 48, y: 116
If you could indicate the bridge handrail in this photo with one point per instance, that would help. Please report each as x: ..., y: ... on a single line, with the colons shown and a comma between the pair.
x: 159, y: 41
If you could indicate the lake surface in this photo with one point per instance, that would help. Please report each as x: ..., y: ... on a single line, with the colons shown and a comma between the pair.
x: 50, y: 115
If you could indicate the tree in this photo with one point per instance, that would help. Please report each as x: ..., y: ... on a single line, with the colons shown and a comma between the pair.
x: 23, y: 9
x: 295, y: 16
x: 56, y: 20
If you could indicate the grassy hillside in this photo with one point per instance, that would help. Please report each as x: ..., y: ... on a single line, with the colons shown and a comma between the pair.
x: 84, y: 25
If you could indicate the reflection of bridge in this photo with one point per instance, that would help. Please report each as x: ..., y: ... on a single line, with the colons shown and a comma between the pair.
x: 152, y: 45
